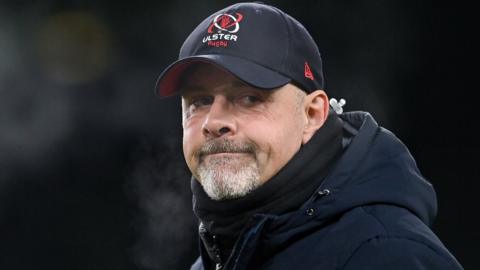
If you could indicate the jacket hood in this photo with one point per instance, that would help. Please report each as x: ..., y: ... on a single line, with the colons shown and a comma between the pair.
x: 375, y: 168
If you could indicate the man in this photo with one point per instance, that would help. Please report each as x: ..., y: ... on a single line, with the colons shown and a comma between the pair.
x: 280, y: 179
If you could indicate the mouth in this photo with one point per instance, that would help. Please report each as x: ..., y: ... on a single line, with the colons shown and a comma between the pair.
x: 224, y: 155
x: 225, y: 149
x: 227, y: 154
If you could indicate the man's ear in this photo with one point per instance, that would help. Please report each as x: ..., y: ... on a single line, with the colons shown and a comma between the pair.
x: 316, y: 111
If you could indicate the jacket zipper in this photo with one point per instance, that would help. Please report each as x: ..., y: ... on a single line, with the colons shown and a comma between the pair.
x: 211, y: 245
x: 217, y: 254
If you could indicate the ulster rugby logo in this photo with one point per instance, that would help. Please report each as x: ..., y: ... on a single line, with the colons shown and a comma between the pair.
x: 225, y: 26
x: 226, y: 22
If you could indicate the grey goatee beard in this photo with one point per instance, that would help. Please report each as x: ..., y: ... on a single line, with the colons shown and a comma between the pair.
x: 230, y: 176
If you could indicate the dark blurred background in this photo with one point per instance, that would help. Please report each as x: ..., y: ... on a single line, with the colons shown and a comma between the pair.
x: 91, y: 171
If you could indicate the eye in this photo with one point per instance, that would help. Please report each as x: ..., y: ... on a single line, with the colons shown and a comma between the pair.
x: 200, y: 101
x: 195, y: 103
x: 250, y: 100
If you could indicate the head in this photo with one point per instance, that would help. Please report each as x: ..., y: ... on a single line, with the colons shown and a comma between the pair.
x: 236, y: 136
x: 251, y: 96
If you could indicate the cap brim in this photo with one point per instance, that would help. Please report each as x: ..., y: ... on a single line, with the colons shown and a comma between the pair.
x: 247, y: 71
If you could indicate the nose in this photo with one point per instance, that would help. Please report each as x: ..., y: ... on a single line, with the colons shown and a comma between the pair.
x: 220, y: 120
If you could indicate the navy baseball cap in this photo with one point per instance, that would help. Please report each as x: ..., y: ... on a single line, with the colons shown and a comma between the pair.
x: 258, y: 43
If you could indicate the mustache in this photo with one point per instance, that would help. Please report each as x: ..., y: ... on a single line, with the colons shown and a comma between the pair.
x: 225, y: 146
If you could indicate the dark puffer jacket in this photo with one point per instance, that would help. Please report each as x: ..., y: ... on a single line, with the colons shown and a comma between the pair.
x: 372, y: 211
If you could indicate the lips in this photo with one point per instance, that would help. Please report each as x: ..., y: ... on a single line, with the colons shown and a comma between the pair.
x: 224, y: 147
x: 222, y: 154
x: 226, y: 153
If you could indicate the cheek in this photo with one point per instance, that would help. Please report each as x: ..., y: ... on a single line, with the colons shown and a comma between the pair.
x: 284, y: 143
x: 191, y: 141
x: 278, y: 139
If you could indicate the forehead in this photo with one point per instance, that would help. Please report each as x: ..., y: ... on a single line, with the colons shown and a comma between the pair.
x: 208, y: 77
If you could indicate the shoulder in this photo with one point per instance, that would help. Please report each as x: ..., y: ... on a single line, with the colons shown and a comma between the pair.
x: 388, y: 252
x: 403, y: 242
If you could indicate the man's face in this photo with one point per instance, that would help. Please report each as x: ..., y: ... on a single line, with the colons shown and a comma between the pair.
x: 235, y: 136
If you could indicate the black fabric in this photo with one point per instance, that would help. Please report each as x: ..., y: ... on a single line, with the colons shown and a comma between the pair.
x: 262, y: 45
x: 376, y: 215
x: 285, y: 192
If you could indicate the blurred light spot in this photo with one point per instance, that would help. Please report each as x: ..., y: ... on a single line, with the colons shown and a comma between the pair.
x: 74, y: 47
